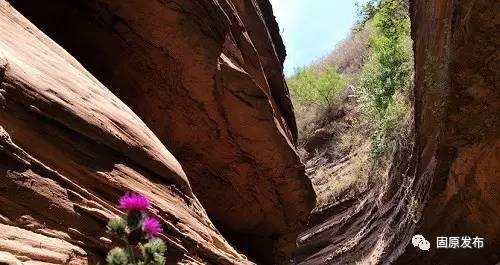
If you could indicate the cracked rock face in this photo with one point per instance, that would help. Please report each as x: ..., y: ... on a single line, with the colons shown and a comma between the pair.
x: 68, y: 149
x: 206, y: 78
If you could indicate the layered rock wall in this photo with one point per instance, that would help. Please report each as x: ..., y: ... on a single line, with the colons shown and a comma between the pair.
x: 206, y: 77
x: 457, y: 51
x: 68, y: 149
x: 201, y: 78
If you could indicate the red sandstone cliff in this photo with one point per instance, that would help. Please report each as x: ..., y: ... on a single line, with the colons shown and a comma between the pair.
x: 68, y: 149
x: 457, y: 51
x: 206, y: 79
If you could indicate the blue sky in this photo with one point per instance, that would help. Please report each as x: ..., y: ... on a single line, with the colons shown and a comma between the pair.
x: 311, y: 28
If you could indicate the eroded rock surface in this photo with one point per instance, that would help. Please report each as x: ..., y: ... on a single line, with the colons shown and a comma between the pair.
x: 206, y: 77
x: 457, y: 56
x: 68, y: 149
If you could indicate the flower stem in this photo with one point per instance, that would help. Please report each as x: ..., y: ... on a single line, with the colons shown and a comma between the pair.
x: 131, y: 253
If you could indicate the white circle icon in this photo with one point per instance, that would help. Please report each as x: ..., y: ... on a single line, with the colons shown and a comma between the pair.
x: 420, y: 242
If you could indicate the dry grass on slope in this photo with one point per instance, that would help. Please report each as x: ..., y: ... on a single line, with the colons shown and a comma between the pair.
x: 336, y: 152
x: 333, y: 142
x: 336, y: 140
x: 349, y: 54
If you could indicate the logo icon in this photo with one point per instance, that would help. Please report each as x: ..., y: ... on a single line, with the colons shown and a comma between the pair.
x: 420, y: 242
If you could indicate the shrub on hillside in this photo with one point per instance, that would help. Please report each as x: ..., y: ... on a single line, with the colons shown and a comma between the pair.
x: 387, y: 73
x: 365, y: 14
x: 321, y: 88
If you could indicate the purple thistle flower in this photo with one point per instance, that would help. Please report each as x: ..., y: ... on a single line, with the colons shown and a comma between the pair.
x: 151, y: 226
x: 133, y: 202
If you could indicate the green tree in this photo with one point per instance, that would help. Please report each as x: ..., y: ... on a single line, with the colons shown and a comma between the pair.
x: 365, y: 13
x: 309, y: 87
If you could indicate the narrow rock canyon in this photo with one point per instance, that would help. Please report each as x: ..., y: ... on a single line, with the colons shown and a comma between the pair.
x: 446, y: 182
x: 186, y: 102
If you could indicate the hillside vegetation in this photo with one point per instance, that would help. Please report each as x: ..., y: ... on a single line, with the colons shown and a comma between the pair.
x: 353, y: 105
